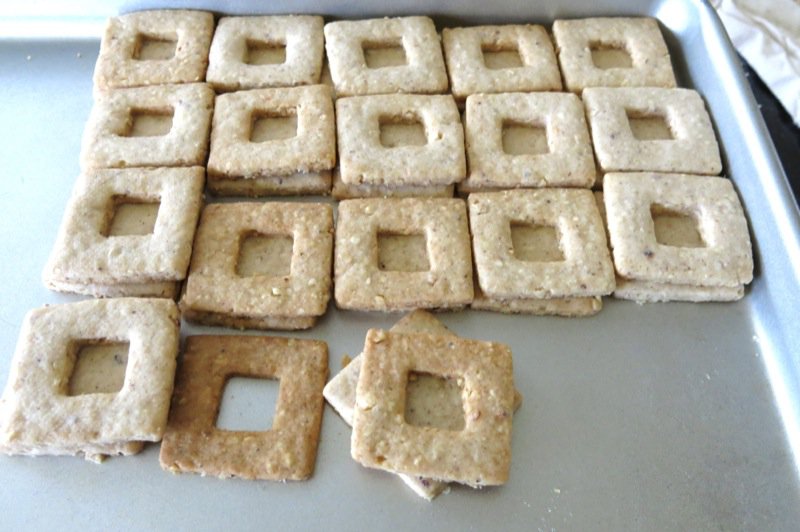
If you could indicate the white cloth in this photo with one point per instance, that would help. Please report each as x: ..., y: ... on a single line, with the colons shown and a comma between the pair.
x: 767, y: 34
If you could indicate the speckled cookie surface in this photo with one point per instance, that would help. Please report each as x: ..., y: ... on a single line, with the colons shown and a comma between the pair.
x: 479, y: 454
x: 236, y: 39
x: 724, y: 260
x: 312, y: 147
x: 567, y: 161
x: 86, y: 254
x: 38, y: 415
x: 639, y: 38
x: 364, y: 159
x: 361, y: 282
x: 124, y: 61
x: 692, y: 149
x: 584, y: 269
x: 111, y: 138
x: 216, y: 287
x: 422, y: 71
x: 287, y: 451
x: 464, y: 50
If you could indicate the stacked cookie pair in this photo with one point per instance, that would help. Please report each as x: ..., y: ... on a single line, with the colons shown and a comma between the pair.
x: 429, y: 406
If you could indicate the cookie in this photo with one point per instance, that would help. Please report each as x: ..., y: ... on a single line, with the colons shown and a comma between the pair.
x: 612, y: 52
x: 92, y: 377
x: 287, y: 450
x: 266, y: 51
x: 509, y: 58
x: 402, y: 253
x: 154, y: 48
x: 385, y: 56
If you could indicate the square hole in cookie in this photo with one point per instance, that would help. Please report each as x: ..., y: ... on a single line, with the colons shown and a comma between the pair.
x: 264, y: 52
x: 524, y: 139
x: 268, y: 126
x: 536, y: 243
x: 99, y: 367
x: 266, y: 255
x: 500, y: 57
x: 402, y: 253
x: 402, y: 131
x: 674, y: 228
x: 646, y: 126
x: 155, y: 47
x: 149, y: 122
x: 131, y: 216
x: 607, y: 55
x: 380, y: 54
x: 248, y: 404
x: 434, y: 401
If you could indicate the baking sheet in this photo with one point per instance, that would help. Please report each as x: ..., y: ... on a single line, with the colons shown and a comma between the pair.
x: 672, y: 416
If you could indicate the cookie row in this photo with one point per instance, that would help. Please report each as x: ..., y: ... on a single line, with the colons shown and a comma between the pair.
x: 100, y: 378
x: 380, y: 56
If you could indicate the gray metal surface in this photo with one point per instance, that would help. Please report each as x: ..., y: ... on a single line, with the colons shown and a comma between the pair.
x: 671, y: 416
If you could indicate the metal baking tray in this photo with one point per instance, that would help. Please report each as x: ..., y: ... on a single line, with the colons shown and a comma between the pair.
x: 664, y: 416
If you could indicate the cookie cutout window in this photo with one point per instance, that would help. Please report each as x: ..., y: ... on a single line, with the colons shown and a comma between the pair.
x: 155, y: 47
x: 536, y: 243
x: 131, y: 216
x: 381, y: 54
x: 247, y: 404
x: 269, y: 255
x: 524, y: 139
x: 607, y: 55
x: 675, y: 228
x: 264, y: 53
x: 99, y: 367
x: 402, y: 253
x: 434, y: 401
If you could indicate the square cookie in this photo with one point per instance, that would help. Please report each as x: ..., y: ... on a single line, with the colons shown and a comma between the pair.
x: 298, y: 184
x: 400, y: 139
x: 652, y: 129
x: 480, y: 453
x: 288, y: 449
x: 154, y: 48
x: 343, y: 190
x: 612, y: 52
x: 273, y: 132
x: 397, y: 254
x: 683, y: 230
x: 511, y: 58
x: 260, y: 265
x: 163, y: 125
x: 430, y: 400
x: 534, y: 244
x: 388, y: 55
x: 267, y: 51
x: 92, y: 378
x: 127, y: 227
x: 527, y: 140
